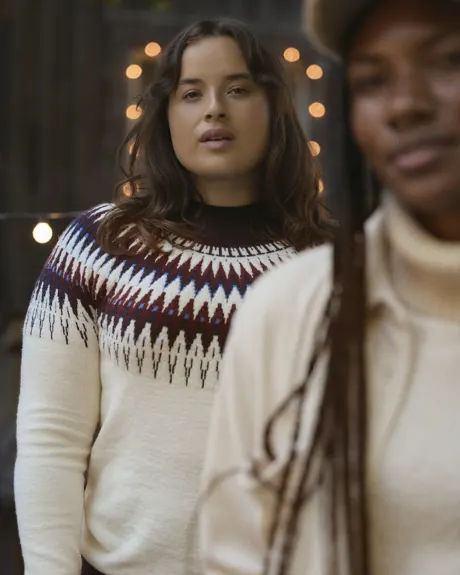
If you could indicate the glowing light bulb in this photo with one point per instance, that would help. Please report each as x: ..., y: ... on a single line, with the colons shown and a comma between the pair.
x: 133, y: 112
x: 317, y: 110
x: 42, y: 233
x: 152, y: 49
x: 321, y: 186
x: 315, y: 148
x: 133, y: 72
x: 127, y: 190
x: 291, y: 55
x: 314, y: 72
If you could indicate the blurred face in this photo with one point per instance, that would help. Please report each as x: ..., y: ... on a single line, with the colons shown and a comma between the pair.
x: 219, y: 117
x: 404, y: 76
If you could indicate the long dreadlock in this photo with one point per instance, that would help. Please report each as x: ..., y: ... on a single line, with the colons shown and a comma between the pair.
x: 339, y: 437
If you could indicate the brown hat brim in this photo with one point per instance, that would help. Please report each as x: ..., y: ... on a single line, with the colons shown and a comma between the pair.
x: 328, y: 21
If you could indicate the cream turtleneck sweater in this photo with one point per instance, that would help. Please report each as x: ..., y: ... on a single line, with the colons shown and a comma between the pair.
x: 413, y: 349
x: 425, y: 272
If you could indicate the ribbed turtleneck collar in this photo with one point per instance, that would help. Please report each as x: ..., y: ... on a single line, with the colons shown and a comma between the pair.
x: 240, y: 226
x: 425, y: 272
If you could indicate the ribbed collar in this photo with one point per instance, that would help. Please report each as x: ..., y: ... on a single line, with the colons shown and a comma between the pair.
x: 241, y: 226
x: 409, y: 266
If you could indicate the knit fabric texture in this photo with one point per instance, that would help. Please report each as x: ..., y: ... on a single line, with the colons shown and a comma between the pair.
x: 129, y: 346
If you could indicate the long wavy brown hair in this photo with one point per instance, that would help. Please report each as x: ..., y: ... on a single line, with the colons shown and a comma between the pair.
x: 162, y: 194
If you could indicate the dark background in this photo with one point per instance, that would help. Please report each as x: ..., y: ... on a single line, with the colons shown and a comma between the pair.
x: 63, y: 100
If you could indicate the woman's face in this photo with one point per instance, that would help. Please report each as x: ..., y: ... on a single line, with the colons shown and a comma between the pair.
x: 404, y: 77
x: 219, y: 117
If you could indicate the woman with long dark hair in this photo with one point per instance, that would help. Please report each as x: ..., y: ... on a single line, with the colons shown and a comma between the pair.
x: 334, y: 446
x: 127, y: 323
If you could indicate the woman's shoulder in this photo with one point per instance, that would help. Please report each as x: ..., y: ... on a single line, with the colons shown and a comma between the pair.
x: 88, y: 221
x: 273, y: 335
x: 77, y: 251
x: 96, y: 213
x: 296, y: 281
x: 288, y: 302
x: 80, y: 236
x: 66, y: 285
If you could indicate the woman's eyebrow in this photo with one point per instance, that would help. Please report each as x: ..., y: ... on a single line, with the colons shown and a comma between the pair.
x: 195, y: 81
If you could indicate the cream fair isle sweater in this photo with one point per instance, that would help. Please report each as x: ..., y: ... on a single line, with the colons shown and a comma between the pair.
x: 132, y: 344
x: 413, y: 348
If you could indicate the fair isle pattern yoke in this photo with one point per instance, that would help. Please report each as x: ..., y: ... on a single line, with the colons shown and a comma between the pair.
x: 164, y: 315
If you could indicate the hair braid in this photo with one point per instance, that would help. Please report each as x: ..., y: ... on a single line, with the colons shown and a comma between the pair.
x: 298, y: 394
x: 340, y: 429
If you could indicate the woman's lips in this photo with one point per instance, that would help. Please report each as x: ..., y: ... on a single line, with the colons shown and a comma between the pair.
x: 421, y: 156
x: 217, y: 144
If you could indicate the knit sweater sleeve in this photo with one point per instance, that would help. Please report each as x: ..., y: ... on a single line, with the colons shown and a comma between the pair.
x: 230, y: 544
x: 59, y: 403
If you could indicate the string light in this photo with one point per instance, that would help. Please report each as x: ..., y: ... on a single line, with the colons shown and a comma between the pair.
x: 291, y: 55
x: 41, y: 217
x: 314, y: 72
x: 127, y: 190
x: 315, y: 148
x: 42, y: 233
x: 321, y: 186
x: 133, y: 112
x: 317, y: 110
x: 152, y: 49
x: 133, y: 72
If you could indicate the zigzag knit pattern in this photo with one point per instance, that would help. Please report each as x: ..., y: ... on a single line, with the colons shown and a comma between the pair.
x: 163, y: 315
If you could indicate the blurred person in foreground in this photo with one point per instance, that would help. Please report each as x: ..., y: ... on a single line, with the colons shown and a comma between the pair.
x: 335, y: 442
x: 128, y: 320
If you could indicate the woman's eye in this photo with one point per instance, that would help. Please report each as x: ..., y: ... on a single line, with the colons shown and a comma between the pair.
x: 192, y: 95
x: 452, y: 58
x: 238, y: 91
x: 366, y: 83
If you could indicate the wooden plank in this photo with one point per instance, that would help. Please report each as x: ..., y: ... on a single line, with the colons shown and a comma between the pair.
x: 56, y: 100
x: 24, y: 50
x: 89, y: 80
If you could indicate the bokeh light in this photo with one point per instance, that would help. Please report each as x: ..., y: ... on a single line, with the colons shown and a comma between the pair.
x: 133, y: 72
x: 291, y: 55
x: 133, y: 112
x: 315, y: 148
x: 152, y: 49
x: 314, y: 72
x: 42, y: 233
x: 317, y: 110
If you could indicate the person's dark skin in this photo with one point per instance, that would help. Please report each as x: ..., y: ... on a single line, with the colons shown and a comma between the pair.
x: 404, y: 76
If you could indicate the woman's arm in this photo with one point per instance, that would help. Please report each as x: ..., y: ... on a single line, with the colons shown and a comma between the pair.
x: 58, y: 409
x: 235, y: 512
x: 265, y: 360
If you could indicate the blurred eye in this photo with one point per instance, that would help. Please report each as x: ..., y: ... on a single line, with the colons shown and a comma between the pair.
x: 366, y: 84
x: 446, y: 53
x: 452, y: 58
